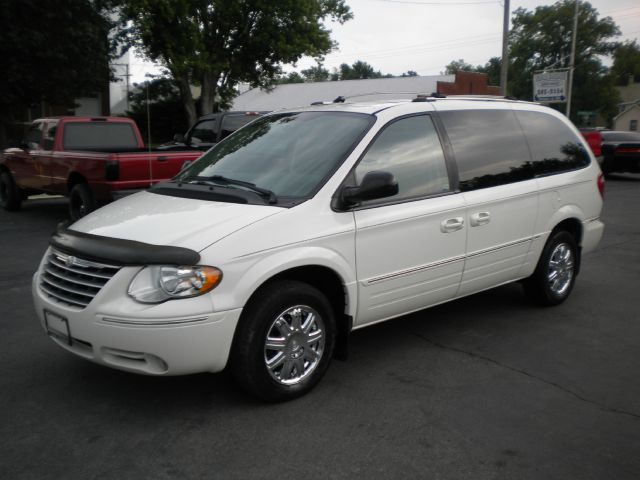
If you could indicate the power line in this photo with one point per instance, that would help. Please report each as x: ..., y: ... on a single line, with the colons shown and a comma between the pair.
x: 441, y: 4
x: 421, y: 48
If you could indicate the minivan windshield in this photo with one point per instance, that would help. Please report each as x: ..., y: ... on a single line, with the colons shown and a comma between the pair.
x: 288, y: 154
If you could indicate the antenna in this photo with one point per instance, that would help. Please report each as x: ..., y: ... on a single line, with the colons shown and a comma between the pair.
x: 149, y: 137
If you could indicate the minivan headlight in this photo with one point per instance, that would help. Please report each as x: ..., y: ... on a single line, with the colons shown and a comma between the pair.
x: 158, y: 283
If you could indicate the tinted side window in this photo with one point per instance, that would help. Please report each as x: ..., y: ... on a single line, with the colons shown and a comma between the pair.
x: 34, y: 134
x: 205, y: 132
x: 409, y: 149
x: 50, y: 135
x: 554, y: 147
x: 489, y: 147
x: 231, y: 123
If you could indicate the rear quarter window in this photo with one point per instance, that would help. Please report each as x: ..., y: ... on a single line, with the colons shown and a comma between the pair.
x: 555, y: 148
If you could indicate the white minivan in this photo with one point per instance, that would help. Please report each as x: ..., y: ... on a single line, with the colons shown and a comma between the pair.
x: 306, y: 224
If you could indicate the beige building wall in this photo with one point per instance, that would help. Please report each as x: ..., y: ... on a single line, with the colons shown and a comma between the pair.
x: 628, y: 120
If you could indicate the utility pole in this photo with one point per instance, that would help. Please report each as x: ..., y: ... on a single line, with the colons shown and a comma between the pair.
x: 504, y: 67
x: 572, y: 59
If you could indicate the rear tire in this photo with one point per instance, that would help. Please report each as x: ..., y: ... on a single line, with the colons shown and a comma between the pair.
x: 284, y: 342
x: 555, y: 274
x: 10, y: 195
x: 81, y: 201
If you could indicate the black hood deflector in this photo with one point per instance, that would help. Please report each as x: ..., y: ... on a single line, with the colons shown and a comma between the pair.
x: 117, y: 251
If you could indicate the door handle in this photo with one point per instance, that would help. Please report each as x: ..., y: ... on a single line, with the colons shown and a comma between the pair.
x: 163, y: 159
x: 452, y: 225
x: 480, y: 218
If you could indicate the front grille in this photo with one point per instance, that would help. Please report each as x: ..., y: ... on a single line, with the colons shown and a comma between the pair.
x: 74, y: 281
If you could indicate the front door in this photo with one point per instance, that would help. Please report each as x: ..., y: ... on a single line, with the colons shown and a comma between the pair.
x: 409, y: 247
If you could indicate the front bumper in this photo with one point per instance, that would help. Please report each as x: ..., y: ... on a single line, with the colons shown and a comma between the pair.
x: 174, y: 338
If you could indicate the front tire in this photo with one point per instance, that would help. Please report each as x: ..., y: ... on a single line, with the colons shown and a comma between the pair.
x: 284, y: 341
x: 10, y: 194
x: 555, y: 274
x: 81, y: 201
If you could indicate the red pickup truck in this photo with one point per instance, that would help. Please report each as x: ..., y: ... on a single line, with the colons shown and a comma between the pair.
x: 90, y: 160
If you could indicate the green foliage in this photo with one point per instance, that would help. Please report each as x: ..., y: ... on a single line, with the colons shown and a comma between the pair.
x: 316, y: 74
x: 165, y: 107
x: 458, y: 65
x: 291, y: 77
x: 410, y: 73
x: 541, y: 39
x: 359, y: 70
x: 53, y: 52
x: 626, y: 63
x: 218, y: 43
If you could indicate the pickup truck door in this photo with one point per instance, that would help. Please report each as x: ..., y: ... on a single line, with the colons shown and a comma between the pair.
x: 57, y: 179
x: 409, y: 247
x: 25, y: 162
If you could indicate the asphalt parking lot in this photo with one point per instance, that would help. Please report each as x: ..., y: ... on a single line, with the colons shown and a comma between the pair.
x: 484, y: 387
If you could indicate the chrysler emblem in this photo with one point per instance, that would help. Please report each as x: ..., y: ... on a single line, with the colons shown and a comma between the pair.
x: 70, y: 261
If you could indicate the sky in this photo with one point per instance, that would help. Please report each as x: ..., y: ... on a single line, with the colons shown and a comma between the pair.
x: 395, y: 36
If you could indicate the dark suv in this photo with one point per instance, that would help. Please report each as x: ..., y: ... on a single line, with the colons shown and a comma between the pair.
x: 211, y: 128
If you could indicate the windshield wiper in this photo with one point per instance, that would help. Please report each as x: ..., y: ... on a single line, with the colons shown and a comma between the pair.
x: 221, y: 180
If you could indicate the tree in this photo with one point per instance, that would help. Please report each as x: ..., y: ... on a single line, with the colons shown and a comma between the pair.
x: 52, y: 54
x: 165, y: 107
x: 316, y: 73
x: 410, y: 73
x: 291, y: 77
x: 492, y: 70
x: 541, y: 39
x: 359, y: 70
x: 458, y: 65
x: 218, y: 43
x: 626, y: 63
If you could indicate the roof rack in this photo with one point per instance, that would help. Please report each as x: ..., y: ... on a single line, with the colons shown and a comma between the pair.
x: 434, y: 96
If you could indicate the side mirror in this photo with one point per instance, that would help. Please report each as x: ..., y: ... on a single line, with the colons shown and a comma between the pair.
x: 374, y: 185
x: 179, y: 138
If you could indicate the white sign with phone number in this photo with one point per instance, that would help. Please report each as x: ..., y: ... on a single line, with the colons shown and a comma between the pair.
x: 550, y: 87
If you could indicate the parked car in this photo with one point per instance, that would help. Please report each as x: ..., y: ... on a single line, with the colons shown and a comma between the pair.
x: 269, y: 250
x: 617, y: 151
x: 92, y: 160
x: 212, y: 128
x: 620, y: 152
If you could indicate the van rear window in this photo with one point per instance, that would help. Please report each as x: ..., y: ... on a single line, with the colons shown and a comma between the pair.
x: 97, y: 136
x: 554, y: 147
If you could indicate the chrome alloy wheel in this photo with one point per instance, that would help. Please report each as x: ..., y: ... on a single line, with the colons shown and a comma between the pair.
x: 294, y: 344
x: 560, y: 272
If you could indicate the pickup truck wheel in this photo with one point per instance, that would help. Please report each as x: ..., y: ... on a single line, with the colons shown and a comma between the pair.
x: 81, y: 201
x: 284, y: 341
x: 10, y: 194
x: 555, y: 274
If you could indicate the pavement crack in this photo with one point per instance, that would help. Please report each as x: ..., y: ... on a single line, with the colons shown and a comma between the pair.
x: 574, y: 394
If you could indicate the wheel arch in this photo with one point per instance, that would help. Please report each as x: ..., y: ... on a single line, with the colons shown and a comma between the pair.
x: 316, y: 269
x: 74, y: 179
x: 574, y: 227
